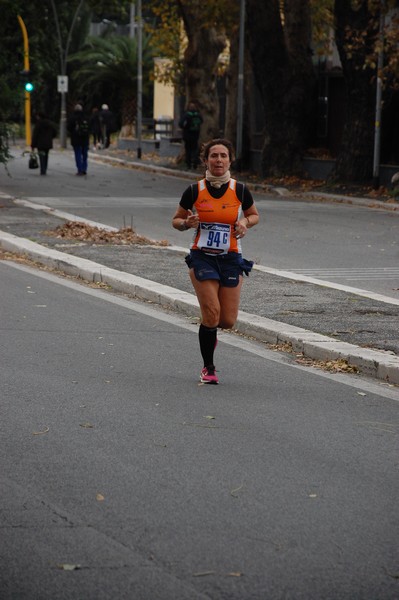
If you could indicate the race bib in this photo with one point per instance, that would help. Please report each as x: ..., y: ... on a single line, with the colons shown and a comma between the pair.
x: 214, y: 238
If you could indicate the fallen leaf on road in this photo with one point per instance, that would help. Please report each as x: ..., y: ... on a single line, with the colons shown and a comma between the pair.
x: 204, y: 573
x: 86, y: 425
x: 100, y: 497
x: 393, y: 575
x: 234, y: 492
x: 202, y: 426
x: 68, y: 567
x: 45, y: 430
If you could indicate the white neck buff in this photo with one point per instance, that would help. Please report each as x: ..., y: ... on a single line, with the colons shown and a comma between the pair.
x: 217, y: 181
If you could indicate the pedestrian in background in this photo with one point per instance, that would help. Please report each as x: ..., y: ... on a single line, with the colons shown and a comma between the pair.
x: 108, y: 124
x: 95, y: 129
x: 42, y: 138
x: 79, y: 131
x: 221, y: 211
x: 190, y: 123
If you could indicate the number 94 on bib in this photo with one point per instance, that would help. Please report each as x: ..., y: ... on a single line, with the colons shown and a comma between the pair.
x: 214, y: 238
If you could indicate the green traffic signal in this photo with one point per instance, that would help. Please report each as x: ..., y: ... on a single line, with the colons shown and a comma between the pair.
x: 28, y: 85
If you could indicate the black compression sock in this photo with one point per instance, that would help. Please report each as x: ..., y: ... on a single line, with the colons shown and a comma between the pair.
x: 207, y: 340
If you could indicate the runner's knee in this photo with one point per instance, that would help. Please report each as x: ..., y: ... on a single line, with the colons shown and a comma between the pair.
x: 210, y: 316
x: 227, y: 322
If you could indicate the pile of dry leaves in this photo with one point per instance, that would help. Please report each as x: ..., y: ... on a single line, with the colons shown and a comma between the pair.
x: 337, y: 365
x: 74, y: 230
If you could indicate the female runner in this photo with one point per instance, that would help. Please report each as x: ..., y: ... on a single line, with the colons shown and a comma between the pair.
x: 221, y: 211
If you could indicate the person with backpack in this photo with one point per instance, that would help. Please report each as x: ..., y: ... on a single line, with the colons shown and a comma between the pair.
x: 79, y: 131
x: 190, y: 123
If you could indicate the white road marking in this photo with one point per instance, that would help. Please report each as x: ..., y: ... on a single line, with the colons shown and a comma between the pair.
x: 297, y: 275
x: 380, y: 389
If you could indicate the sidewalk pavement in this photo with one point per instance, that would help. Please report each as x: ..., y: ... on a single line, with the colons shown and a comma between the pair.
x: 357, y: 195
x: 322, y: 323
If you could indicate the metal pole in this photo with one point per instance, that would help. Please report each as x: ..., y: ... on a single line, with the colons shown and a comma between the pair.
x: 28, y: 133
x: 63, y: 72
x: 378, y: 103
x: 139, y: 78
x: 132, y: 21
x: 63, y: 121
x: 240, y: 86
x: 63, y: 65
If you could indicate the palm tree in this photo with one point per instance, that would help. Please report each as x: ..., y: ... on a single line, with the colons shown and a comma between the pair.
x: 110, y: 63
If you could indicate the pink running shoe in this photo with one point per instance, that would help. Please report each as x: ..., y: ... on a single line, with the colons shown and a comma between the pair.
x: 208, y: 375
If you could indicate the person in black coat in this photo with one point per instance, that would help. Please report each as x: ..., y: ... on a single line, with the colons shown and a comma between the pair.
x: 95, y: 129
x: 107, y: 123
x: 43, y: 134
x: 190, y: 123
x: 79, y: 131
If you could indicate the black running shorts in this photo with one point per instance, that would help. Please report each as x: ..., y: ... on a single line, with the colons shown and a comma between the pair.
x: 225, y: 268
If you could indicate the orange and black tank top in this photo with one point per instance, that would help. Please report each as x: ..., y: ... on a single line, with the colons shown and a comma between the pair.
x: 217, y: 215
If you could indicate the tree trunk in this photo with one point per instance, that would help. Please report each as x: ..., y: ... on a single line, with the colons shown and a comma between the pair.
x: 355, y: 159
x: 205, y: 43
x: 129, y: 114
x: 284, y: 73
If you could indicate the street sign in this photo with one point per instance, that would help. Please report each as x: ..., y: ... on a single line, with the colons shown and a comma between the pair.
x: 62, y: 83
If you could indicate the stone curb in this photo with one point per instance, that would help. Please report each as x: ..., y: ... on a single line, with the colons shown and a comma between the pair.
x: 143, y: 165
x: 254, y: 187
x: 374, y: 363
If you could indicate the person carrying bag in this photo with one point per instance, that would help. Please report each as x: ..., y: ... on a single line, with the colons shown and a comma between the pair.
x: 42, y: 139
x: 33, y: 160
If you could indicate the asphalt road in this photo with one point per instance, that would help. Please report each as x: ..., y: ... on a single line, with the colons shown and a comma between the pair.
x: 345, y: 244
x: 122, y: 477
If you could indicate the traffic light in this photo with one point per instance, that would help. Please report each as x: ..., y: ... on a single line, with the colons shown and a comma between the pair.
x: 28, y: 85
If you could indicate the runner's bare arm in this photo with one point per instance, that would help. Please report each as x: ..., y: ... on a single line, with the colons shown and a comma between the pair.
x: 184, y: 219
